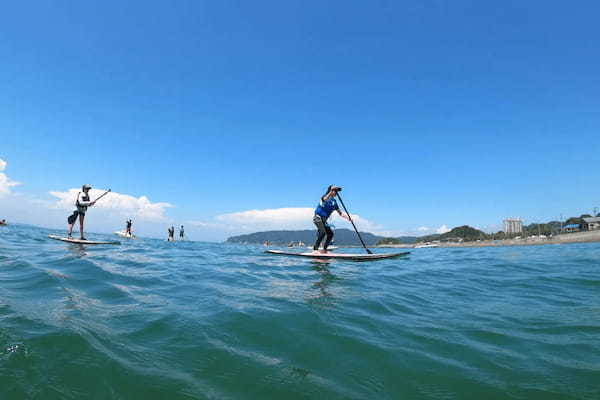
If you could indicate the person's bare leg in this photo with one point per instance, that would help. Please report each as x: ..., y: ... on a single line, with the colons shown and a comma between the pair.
x: 81, y: 218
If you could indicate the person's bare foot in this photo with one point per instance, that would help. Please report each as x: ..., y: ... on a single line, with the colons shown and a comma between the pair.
x: 323, y: 251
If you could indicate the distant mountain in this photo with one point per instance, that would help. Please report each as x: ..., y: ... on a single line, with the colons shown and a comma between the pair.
x: 343, y: 237
x: 464, y: 232
x: 398, y: 240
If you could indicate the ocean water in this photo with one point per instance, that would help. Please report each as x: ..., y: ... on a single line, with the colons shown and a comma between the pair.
x: 156, y: 320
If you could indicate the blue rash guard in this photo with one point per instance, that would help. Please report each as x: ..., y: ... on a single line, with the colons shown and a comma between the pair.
x: 325, y: 208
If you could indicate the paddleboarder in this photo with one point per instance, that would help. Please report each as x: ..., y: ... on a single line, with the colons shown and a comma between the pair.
x: 82, y: 203
x: 326, y: 206
x: 171, y: 231
x: 181, y: 233
x: 128, y: 224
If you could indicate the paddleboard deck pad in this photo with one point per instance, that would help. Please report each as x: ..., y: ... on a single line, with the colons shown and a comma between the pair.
x: 341, y: 256
x: 79, y: 241
x: 329, y: 248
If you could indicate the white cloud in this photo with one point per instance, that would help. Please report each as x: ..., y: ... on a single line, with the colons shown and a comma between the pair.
x: 423, y: 229
x: 5, y: 182
x: 442, y: 229
x: 116, y: 203
x: 493, y: 228
x: 268, y: 219
x: 289, y: 218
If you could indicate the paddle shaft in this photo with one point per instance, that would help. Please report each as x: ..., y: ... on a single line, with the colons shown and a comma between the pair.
x: 352, y: 222
x: 102, y: 195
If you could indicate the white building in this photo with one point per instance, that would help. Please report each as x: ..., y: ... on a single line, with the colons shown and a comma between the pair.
x: 513, y: 225
x: 591, y: 224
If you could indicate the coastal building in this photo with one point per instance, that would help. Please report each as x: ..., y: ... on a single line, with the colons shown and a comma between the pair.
x: 590, y: 224
x: 513, y: 225
x: 571, y: 228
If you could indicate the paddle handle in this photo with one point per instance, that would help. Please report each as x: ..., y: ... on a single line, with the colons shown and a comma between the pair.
x: 352, y: 222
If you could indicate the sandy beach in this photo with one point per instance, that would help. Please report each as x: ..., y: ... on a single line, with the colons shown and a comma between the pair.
x: 576, y: 237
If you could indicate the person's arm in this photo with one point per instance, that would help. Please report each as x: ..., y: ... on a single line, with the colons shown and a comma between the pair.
x: 328, y: 196
x: 343, y: 215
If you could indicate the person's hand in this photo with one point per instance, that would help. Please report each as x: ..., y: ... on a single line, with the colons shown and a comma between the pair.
x: 93, y: 202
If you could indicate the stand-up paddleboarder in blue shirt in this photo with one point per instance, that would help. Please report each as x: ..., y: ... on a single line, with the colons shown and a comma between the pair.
x: 326, y: 206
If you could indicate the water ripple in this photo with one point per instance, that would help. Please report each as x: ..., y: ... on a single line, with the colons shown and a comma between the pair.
x: 152, y: 319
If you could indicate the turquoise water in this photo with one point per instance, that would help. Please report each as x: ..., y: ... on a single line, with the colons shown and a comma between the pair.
x: 157, y: 320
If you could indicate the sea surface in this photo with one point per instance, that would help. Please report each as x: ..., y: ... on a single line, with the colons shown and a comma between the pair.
x: 188, y: 320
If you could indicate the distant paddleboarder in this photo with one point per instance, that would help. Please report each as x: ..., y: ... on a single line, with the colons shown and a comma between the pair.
x: 171, y: 231
x: 326, y: 206
x: 82, y: 203
x: 181, y: 233
x: 128, y: 225
x: 3, y: 222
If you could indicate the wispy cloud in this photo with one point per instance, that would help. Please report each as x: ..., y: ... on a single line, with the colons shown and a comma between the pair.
x: 287, y: 218
x: 5, y: 182
x: 116, y: 203
x: 442, y: 229
x: 276, y: 218
x: 426, y: 230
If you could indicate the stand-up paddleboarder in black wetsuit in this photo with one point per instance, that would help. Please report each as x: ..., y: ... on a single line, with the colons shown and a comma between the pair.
x: 82, y: 203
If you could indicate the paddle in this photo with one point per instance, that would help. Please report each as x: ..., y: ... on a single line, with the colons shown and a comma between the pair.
x: 350, y: 218
x: 102, y: 195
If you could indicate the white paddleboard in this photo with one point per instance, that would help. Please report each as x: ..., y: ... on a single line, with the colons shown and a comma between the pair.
x: 329, y: 248
x: 341, y: 256
x: 125, y: 235
x: 79, y: 241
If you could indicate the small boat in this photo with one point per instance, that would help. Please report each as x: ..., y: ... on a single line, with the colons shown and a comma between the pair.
x: 426, y: 245
x: 296, y: 244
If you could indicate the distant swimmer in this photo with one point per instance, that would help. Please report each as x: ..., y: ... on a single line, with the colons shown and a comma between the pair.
x: 128, y: 224
x: 181, y: 233
x: 3, y: 222
x: 171, y: 231
x: 82, y: 203
x: 326, y: 206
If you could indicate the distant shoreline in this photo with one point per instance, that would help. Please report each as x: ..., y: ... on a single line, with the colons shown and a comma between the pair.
x: 576, y: 237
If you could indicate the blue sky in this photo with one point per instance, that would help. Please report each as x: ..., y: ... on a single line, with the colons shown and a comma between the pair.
x: 428, y: 113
